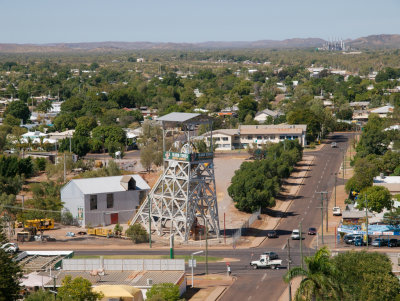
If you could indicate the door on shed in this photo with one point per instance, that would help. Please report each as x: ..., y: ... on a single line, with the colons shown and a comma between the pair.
x: 114, y: 218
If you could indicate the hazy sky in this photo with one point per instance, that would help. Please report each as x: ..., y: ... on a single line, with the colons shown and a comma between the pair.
x: 47, y: 21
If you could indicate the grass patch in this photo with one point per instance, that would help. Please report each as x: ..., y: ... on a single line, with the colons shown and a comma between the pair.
x: 186, y: 257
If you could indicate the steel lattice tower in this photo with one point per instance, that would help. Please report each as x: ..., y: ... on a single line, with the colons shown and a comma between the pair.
x: 185, y: 194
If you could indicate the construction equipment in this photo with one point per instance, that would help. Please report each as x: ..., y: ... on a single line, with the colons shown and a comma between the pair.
x: 40, y: 224
x: 100, y: 232
x: 27, y: 235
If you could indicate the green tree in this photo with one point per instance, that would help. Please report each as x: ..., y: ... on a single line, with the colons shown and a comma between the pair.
x: 12, y: 121
x: 319, y: 278
x: 165, y: 291
x: 10, y: 272
x: 137, y: 233
x: 40, y: 295
x: 247, y: 106
x: 84, y: 125
x: 366, y: 276
x: 18, y: 109
x: 378, y: 198
x: 78, y: 289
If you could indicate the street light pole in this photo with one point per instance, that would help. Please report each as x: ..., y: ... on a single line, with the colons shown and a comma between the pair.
x: 195, y: 253
x: 366, y: 215
x: 289, y: 261
x: 301, y: 245
x: 335, y: 187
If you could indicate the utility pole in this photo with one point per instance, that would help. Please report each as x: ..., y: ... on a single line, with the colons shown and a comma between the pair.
x: 344, y: 163
x: 366, y: 215
x: 65, y: 173
x: 149, y: 222
x: 335, y: 187
x: 301, y: 245
x: 326, y: 213
x: 289, y: 261
x: 206, y: 248
x: 322, y: 214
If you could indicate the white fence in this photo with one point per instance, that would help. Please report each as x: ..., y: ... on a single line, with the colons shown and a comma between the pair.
x: 242, y: 230
x: 124, y: 264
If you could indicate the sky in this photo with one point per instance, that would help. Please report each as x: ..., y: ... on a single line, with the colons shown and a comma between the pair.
x: 55, y: 21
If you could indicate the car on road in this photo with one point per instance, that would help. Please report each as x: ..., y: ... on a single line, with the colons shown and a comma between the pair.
x: 10, y: 247
x: 333, y: 144
x: 336, y: 211
x: 393, y: 242
x: 312, y: 231
x: 271, y: 255
x: 379, y: 242
x: 295, y: 234
x: 266, y: 262
x: 272, y: 234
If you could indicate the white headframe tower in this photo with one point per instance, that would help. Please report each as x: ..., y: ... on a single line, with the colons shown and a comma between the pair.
x: 185, y: 194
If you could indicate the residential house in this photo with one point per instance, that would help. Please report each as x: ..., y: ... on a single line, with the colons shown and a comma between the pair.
x: 263, y: 115
x: 104, y: 200
x: 392, y: 183
x: 384, y: 111
x: 227, y: 139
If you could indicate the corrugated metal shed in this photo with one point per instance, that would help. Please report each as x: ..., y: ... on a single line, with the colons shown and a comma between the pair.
x: 107, y: 184
x: 178, y: 117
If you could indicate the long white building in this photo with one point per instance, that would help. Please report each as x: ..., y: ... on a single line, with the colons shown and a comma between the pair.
x: 228, y: 139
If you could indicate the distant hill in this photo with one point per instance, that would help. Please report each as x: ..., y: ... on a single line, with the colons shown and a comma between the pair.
x: 370, y: 42
x: 115, y: 46
x: 376, y: 42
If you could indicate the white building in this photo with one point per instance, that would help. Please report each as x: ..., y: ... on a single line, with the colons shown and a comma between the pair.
x: 383, y: 111
x: 262, y: 116
x: 392, y: 183
x: 104, y: 200
x: 228, y: 139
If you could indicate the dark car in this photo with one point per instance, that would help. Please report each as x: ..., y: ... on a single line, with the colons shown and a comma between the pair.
x: 272, y: 255
x: 272, y: 234
x: 359, y: 241
x: 379, y: 242
x: 312, y: 231
x: 393, y: 242
x: 349, y: 239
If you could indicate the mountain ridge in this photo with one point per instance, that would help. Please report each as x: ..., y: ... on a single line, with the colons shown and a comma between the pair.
x: 372, y: 41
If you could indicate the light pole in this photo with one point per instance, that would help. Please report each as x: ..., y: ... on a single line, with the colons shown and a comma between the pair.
x: 192, y: 262
x: 335, y: 187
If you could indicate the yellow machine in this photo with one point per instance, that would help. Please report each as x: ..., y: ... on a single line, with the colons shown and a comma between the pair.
x: 40, y: 224
x: 100, y: 232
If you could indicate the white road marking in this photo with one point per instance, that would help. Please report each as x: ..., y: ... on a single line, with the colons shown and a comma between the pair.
x: 257, y: 287
x: 249, y: 298
x: 263, y: 277
x: 284, y: 247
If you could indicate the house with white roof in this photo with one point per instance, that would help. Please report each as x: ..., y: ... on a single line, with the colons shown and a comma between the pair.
x: 392, y: 183
x: 262, y: 116
x: 384, y: 111
x: 104, y: 200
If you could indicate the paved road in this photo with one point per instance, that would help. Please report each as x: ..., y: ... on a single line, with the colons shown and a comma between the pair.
x: 254, y: 286
x: 268, y: 284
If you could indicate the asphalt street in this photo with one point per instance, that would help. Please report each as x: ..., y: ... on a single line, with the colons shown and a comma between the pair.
x: 267, y: 284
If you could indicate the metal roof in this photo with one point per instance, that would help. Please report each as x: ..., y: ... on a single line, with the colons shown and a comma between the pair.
x: 178, y: 117
x: 106, y: 184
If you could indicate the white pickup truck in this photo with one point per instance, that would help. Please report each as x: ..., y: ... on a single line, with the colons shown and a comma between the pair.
x: 265, y: 262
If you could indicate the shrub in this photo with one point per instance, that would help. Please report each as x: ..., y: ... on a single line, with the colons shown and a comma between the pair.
x: 137, y: 233
x: 163, y: 291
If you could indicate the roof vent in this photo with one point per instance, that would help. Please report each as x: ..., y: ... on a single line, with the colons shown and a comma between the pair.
x: 149, y: 282
x: 128, y: 183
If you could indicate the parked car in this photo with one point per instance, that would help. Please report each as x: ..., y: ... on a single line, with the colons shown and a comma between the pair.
x: 349, y: 238
x: 336, y: 211
x: 379, y: 242
x: 272, y: 234
x: 333, y: 144
x: 70, y: 234
x: 393, y: 242
x: 295, y: 234
x: 10, y: 247
x: 359, y: 241
x: 271, y: 255
x: 312, y: 231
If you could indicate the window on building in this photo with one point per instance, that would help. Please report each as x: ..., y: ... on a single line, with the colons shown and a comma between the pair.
x: 217, y: 139
x: 282, y: 137
x: 93, y: 202
x: 259, y: 137
x: 295, y: 137
x: 237, y: 137
x: 225, y: 138
x: 249, y: 137
x: 227, y: 146
x: 110, y: 200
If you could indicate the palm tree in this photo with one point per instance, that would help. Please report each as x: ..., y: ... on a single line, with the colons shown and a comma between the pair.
x: 319, y: 278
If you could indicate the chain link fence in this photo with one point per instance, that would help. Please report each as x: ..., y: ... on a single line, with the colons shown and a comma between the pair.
x: 245, y: 226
